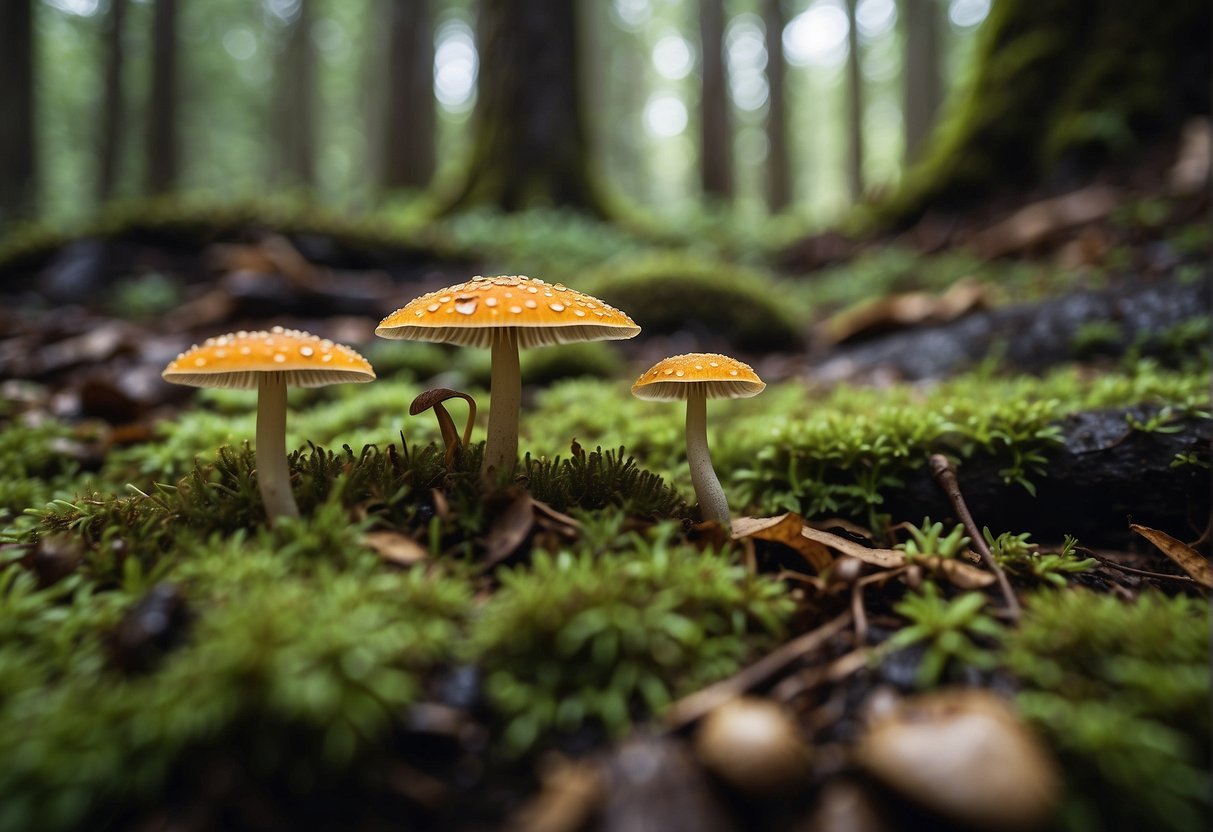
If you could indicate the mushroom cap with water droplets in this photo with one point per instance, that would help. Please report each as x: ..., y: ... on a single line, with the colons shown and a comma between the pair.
x: 472, y: 313
x: 240, y: 360
x: 719, y: 376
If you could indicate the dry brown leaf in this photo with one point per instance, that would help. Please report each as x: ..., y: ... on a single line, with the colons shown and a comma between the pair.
x: 1036, y: 223
x: 1189, y: 560
x: 509, y: 529
x: 906, y: 309
x: 884, y: 558
x: 785, y: 529
x: 395, y: 547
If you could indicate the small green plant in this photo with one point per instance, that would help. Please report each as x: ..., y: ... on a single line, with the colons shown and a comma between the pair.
x: 602, y: 638
x: 928, y: 540
x: 947, y: 630
x: 1014, y: 553
x: 1122, y: 690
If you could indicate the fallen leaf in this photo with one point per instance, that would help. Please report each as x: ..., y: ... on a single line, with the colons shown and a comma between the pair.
x: 785, y: 529
x: 902, y: 310
x: 509, y: 529
x: 1036, y: 223
x: 884, y: 558
x: 1189, y: 560
x: 395, y: 547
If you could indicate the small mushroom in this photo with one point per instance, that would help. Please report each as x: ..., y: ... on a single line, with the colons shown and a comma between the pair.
x: 698, y: 377
x: 269, y: 362
x: 504, y: 314
x: 755, y: 746
x: 965, y: 755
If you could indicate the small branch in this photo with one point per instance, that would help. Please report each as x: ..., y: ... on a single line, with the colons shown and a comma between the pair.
x: 1111, y: 564
x: 697, y: 705
x: 945, y: 478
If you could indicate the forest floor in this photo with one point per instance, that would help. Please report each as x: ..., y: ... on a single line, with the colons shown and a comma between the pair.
x: 572, y: 649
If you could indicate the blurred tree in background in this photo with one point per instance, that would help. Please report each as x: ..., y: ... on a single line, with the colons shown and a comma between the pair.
x: 803, y: 107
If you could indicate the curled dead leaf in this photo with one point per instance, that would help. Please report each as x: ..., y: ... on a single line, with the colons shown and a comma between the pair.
x: 395, y: 547
x: 510, y: 528
x: 785, y: 529
x: 1188, y: 559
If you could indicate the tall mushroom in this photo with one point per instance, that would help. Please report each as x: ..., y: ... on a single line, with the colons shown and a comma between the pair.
x: 504, y: 314
x: 269, y: 362
x: 698, y: 377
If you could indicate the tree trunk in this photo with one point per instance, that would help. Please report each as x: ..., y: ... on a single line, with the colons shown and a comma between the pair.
x: 17, y: 147
x: 779, y: 167
x: 715, y: 124
x: 294, y: 148
x: 529, y: 135
x: 163, y: 135
x: 854, y: 107
x: 921, y: 71
x: 408, y: 146
x: 1060, y: 88
x: 113, y: 103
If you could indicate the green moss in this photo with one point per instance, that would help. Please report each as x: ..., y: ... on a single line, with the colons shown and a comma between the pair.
x: 1123, y: 691
x: 602, y: 639
x: 667, y: 293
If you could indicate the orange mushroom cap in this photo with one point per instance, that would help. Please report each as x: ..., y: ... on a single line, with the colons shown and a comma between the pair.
x: 542, y: 313
x: 236, y: 360
x: 722, y: 377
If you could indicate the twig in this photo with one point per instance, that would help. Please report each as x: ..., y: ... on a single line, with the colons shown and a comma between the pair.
x: 945, y: 478
x: 857, y: 604
x: 1134, y: 571
x: 696, y: 705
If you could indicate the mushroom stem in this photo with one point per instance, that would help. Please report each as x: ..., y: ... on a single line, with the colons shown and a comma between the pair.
x: 505, y: 391
x: 273, y: 476
x: 712, y: 502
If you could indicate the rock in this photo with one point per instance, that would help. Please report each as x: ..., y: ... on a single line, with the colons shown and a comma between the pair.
x: 653, y: 785
x: 965, y: 756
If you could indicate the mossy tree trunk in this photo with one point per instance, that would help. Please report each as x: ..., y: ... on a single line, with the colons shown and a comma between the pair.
x: 293, y: 152
x: 779, y: 166
x: 408, y: 146
x: 529, y: 136
x: 715, y: 123
x: 113, y: 102
x: 17, y: 148
x: 1060, y: 87
x: 163, y: 138
x: 920, y: 21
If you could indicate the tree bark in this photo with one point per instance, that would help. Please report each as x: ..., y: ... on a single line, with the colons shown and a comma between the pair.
x: 779, y: 166
x: 854, y: 107
x: 113, y: 103
x: 408, y: 146
x: 1060, y: 88
x: 715, y: 123
x: 294, y: 149
x: 163, y: 143
x: 17, y: 146
x: 921, y: 72
x: 529, y: 135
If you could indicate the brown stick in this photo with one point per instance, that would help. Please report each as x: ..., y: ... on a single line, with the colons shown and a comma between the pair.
x: 1111, y: 564
x: 699, y: 704
x: 945, y: 478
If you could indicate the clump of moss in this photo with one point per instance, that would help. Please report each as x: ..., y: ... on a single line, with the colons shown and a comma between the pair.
x: 37, y: 465
x: 1122, y: 690
x: 596, y: 480
x: 293, y: 678
x: 671, y: 292
x: 582, y: 639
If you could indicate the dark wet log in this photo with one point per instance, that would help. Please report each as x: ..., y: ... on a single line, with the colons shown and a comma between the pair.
x: 1029, y: 337
x: 1103, y: 474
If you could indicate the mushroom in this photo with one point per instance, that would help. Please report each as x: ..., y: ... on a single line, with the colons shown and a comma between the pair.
x: 269, y: 362
x: 698, y: 377
x: 755, y: 746
x: 505, y: 313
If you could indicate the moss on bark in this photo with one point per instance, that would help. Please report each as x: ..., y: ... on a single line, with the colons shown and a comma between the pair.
x: 1061, y: 87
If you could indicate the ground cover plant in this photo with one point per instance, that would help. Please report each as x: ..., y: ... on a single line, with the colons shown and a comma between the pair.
x: 431, y: 648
